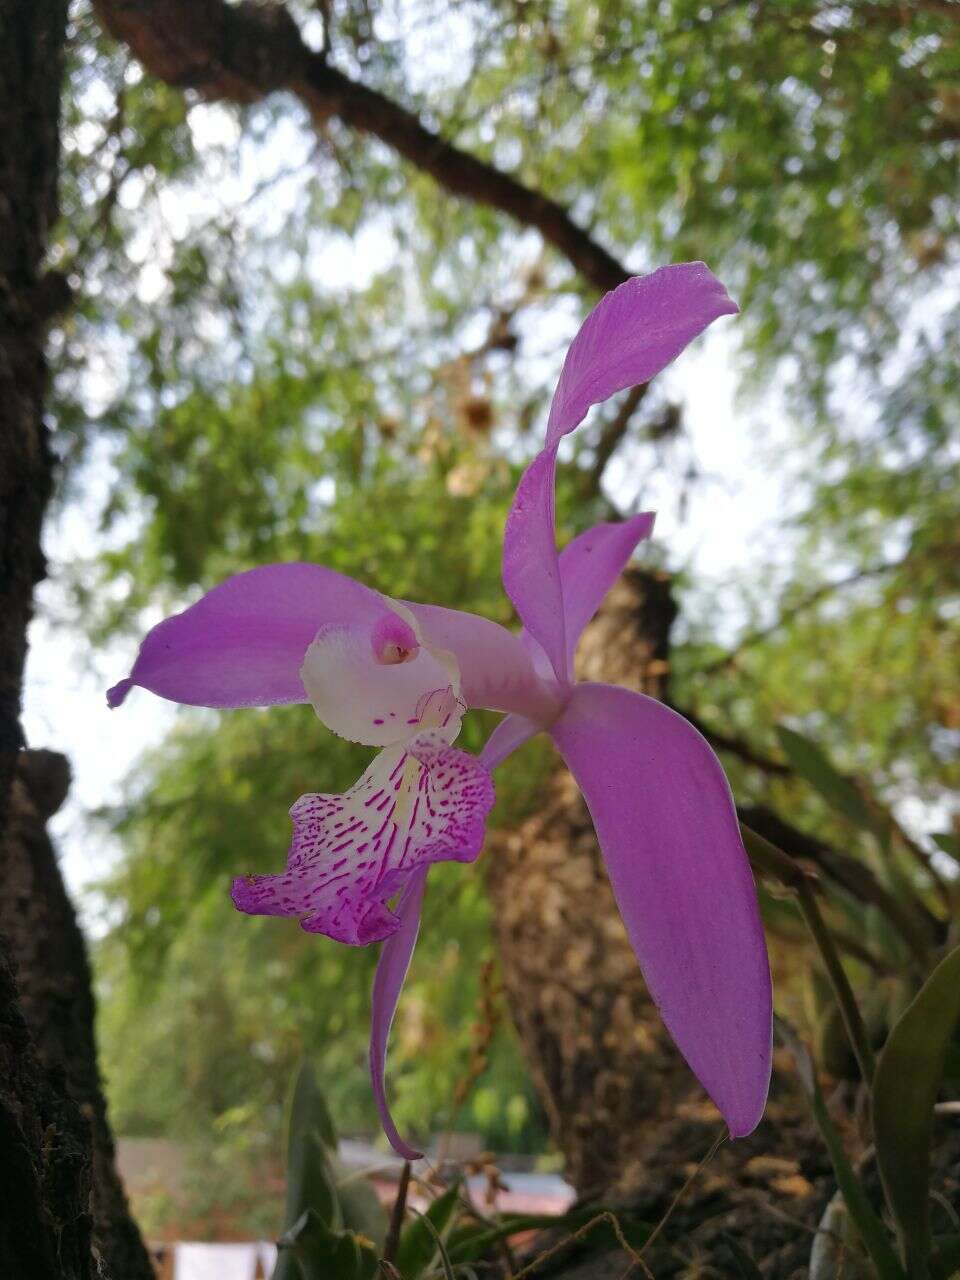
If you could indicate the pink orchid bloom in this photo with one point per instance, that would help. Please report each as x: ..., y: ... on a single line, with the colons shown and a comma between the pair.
x: 399, y: 676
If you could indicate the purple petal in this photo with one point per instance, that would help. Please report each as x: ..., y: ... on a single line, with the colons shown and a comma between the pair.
x: 512, y: 732
x: 668, y: 830
x: 633, y: 333
x: 242, y: 644
x: 495, y: 668
x: 590, y: 565
x: 531, y: 567
x: 388, y: 982
x: 415, y: 805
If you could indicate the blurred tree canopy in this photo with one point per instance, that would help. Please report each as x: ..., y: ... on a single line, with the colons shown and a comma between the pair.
x: 253, y: 399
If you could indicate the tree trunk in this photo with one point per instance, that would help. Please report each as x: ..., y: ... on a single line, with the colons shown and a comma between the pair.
x: 624, y: 1109
x: 56, y: 998
x: 50, y: 1099
x: 44, y: 1142
x: 45, y: 1224
x: 599, y: 1054
x: 31, y: 37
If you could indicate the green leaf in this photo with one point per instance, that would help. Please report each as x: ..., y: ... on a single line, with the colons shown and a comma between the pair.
x: 945, y: 1259
x: 813, y: 765
x: 311, y: 1182
x: 746, y: 1268
x: 418, y: 1243
x: 909, y: 1072
x: 867, y: 1223
x: 474, y: 1240
x: 951, y: 1063
x: 321, y: 1254
x: 361, y: 1209
x: 948, y: 843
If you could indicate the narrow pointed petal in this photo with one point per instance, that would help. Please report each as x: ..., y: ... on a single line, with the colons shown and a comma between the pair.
x: 421, y: 803
x: 531, y: 566
x: 243, y: 643
x: 590, y: 565
x: 392, y: 966
x: 668, y: 831
x: 510, y: 734
x: 496, y: 671
x: 631, y: 334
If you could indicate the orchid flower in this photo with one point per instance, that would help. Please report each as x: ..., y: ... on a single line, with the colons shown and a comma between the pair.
x: 399, y: 676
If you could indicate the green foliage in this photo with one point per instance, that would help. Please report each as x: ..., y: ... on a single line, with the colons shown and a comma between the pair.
x: 332, y: 1228
x: 814, y: 767
x: 908, y: 1080
x: 868, y: 1224
x: 317, y: 1251
x: 183, y: 973
x: 423, y: 1238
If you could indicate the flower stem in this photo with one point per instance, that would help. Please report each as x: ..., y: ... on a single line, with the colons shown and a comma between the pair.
x: 396, y: 1217
x: 767, y: 858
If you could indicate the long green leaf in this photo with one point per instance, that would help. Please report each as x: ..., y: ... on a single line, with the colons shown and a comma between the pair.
x: 867, y: 1223
x: 747, y: 1269
x: 418, y: 1243
x: 359, y: 1206
x: 945, y: 1260
x: 948, y: 843
x: 909, y: 1073
x: 311, y: 1185
x: 812, y: 763
x: 322, y: 1254
x: 472, y: 1242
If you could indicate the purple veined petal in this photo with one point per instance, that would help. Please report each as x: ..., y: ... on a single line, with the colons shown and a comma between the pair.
x: 416, y: 804
x: 392, y: 966
x: 243, y: 643
x: 631, y: 334
x: 590, y: 565
x: 510, y: 734
x: 531, y: 567
x: 668, y: 831
x: 496, y: 671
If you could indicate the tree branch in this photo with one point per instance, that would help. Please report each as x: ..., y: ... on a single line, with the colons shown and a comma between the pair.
x: 242, y: 53
x: 736, y: 746
x: 919, y: 929
x: 808, y: 601
x: 612, y: 434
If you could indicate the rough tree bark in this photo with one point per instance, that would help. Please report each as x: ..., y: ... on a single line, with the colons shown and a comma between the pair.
x: 31, y: 36
x: 48, y: 1099
x: 44, y: 1142
x: 56, y: 996
x: 596, y: 1047
x: 624, y: 1109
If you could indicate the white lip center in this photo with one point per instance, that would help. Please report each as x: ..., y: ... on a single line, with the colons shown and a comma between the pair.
x: 381, y: 686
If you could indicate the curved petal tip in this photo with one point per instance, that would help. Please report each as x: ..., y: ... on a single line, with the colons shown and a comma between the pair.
x: 118, y: 693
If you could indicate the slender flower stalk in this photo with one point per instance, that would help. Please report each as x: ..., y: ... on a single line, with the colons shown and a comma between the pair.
x: 772, y: 860
x: 399, y: 676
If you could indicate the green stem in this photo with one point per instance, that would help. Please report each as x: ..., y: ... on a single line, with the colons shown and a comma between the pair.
x: 766, y: 857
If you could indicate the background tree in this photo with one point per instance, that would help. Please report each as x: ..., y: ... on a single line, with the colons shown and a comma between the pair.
x: 45, y: 1225
x: 63, y: 1207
